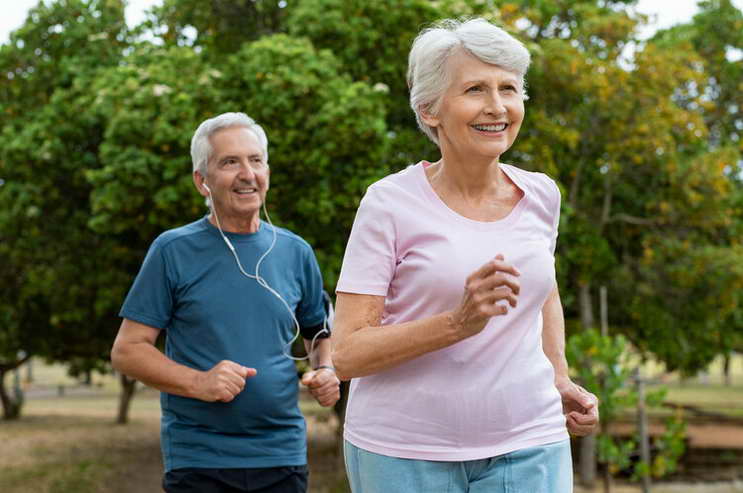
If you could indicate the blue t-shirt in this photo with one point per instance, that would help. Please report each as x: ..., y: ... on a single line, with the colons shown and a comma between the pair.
x: 189, y: 285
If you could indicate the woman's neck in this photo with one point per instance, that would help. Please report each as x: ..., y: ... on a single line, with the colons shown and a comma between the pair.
x: 472, y: 179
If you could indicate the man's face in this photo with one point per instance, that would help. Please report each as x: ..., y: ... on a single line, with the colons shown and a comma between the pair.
x: 237, y: 175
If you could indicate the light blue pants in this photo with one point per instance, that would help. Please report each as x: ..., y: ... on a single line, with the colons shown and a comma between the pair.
x: 543, y: 469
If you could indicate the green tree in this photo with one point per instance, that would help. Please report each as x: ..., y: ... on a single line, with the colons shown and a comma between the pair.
x: 371, y: 40
x: 716, y: 33
x: 218, y: 26
x: 47, y: 143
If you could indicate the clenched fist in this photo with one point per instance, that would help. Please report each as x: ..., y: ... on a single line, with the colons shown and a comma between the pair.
x: 323, y: 385
x: 492, y: 283
x: 223, y: 382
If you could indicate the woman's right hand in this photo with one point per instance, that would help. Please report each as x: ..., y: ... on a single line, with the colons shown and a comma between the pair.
x: 493, y: 282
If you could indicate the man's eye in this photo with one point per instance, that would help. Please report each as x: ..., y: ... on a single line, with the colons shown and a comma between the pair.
x: 474, y: 89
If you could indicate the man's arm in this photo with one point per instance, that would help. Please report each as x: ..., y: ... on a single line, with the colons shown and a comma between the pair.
x: 319, y: 352
x: 134, y: 354
x: 322, y: 382
x: 579, y: 406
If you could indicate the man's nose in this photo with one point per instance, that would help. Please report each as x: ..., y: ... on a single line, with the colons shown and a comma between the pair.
x: 247, y: 173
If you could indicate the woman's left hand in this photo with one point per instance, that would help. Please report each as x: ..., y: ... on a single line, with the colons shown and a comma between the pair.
x: 581, y: 408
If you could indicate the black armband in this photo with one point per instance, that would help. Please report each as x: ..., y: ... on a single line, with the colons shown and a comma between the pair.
x: 318, y: 330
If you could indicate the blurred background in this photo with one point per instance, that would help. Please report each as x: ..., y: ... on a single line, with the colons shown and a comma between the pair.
x: 635, y: 109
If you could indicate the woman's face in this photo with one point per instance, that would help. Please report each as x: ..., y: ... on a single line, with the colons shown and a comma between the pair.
x: 481, y: 111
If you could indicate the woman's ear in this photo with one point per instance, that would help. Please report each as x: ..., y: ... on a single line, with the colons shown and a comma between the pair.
x: 428, y: 117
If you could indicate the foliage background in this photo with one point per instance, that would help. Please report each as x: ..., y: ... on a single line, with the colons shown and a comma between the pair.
x: 96, y: 118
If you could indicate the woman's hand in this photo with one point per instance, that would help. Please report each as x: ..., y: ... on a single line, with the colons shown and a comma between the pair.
x: 484, y: 288
x: 581, y: 408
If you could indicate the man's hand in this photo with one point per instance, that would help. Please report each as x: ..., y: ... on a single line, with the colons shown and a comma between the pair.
x: 581, y: 408
x: 323, y: 385
x: 223, y: 382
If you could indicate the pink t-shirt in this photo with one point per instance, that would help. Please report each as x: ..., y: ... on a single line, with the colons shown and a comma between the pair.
x: 487, y: 395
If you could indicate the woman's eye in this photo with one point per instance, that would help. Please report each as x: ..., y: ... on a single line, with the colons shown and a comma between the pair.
x: 474, y: 89
x: 510, y: 88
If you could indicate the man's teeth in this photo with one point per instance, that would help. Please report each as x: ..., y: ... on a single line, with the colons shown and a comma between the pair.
x: 499, y: 127
x: 246, y: 190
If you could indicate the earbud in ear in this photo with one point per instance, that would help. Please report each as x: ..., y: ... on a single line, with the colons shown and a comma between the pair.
x: 207, y: 188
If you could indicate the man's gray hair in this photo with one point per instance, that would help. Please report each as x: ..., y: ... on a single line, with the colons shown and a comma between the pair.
x: 201, y: 148
x: 428, y: 75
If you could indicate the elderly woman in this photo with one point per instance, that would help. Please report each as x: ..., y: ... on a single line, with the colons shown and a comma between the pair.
x: 448, y: 316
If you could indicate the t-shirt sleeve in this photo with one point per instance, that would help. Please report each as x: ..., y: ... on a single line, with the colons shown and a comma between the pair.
x: 310, y: 311
x: 556, y: 214
x: 370, y: 258
x: 150, y: 299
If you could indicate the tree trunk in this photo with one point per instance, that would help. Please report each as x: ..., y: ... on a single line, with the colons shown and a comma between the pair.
x: 128, y: 388
x: 588, y: 461
x: 727, y: 378
x: 607, y: 479
x: 586, y: 305
x: 11, y: 405
x: 11, y: 408
x: 587, y: 444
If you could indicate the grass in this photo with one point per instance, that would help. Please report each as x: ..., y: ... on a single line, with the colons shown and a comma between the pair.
x: 59, y: 452
x: 710, y: 398
x: 70, y: 443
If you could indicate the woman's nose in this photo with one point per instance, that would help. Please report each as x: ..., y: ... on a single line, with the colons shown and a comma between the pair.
x: 495, y: 105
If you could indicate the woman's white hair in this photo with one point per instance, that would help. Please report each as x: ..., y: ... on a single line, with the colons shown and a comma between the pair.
x: 428, y: 76
x: 201, y: 148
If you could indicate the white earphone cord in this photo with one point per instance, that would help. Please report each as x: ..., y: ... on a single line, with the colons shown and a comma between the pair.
x: 264, y: 283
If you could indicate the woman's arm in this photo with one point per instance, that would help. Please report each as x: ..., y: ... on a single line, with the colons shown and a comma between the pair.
x: 362, y: 346
x: 553, y: 334
x: 581, y: 408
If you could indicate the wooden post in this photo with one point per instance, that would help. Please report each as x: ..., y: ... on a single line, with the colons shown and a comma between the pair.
x: 604, y: 311
x: 30, y: 371
x: 642, y: 427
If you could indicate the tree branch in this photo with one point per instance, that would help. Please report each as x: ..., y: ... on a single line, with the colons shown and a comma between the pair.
x: 14, y: 364
x: 642, y: 221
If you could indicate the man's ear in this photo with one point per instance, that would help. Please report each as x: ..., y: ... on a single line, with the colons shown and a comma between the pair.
x: 199, y: 182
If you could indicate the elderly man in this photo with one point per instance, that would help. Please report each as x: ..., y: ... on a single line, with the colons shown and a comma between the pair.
x: 231, y: 291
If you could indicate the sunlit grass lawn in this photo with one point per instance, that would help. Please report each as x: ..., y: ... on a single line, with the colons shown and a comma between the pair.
x: 710, y: 398
x: 70, y: 444
x: 67, y: 442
